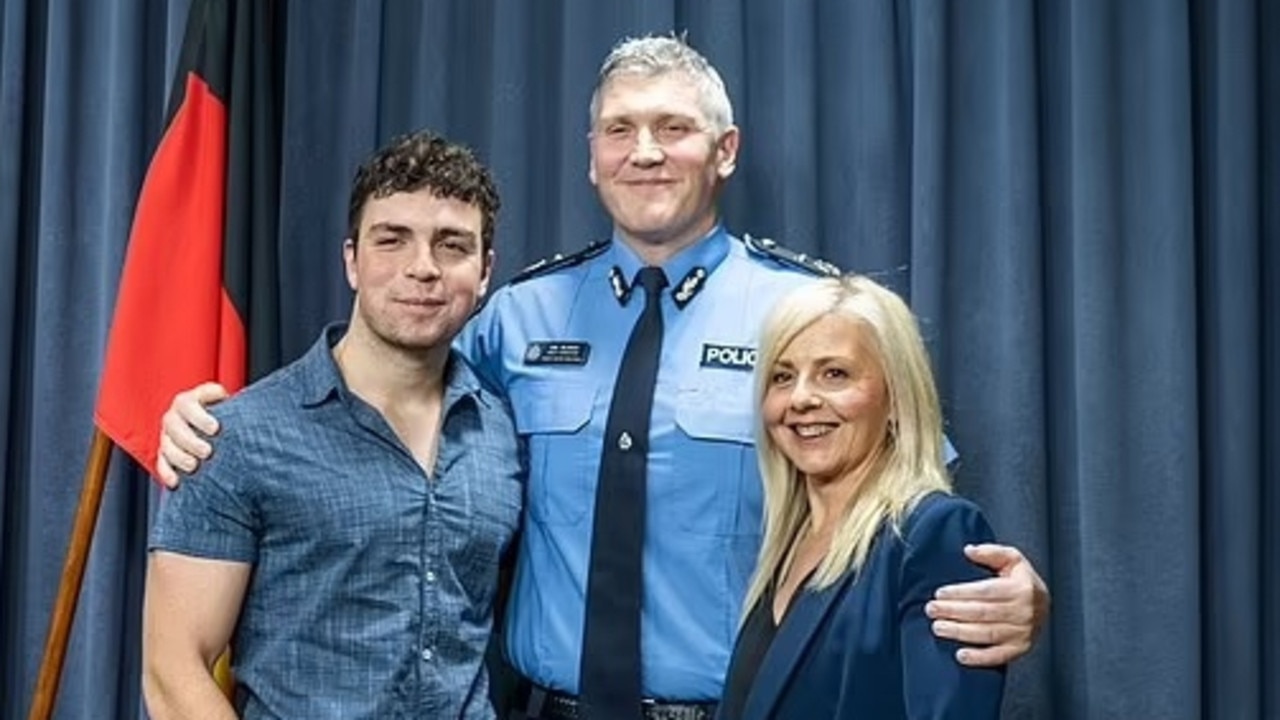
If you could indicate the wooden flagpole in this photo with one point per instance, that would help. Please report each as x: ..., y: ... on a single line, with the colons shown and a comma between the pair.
x: 64, y: 608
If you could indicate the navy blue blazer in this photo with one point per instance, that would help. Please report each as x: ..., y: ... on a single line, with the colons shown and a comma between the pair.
x: 862, y: 648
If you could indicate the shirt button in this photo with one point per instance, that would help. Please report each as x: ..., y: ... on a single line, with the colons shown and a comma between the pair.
x: 431, y: 576
x: 427, y: 654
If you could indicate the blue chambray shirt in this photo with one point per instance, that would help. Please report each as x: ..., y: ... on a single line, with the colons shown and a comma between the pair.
x: 703, y: 519
x: 373, y: 584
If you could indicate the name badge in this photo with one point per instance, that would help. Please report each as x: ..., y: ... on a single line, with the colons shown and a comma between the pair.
x: 557, y: 352
x: 728, y: 357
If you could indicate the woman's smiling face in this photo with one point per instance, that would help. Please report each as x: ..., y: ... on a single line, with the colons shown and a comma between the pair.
x: 826, y: 402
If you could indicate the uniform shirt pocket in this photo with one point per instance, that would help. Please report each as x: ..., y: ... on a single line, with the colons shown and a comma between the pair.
x: 723, y: 486
x: 718, y: 409
x: 553, y: 417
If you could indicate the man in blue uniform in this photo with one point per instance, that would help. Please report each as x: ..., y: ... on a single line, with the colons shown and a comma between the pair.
x: 632, y: 389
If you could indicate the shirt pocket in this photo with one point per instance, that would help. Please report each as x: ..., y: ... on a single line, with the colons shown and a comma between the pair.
x: 723, y: 489
x: 553, y: 417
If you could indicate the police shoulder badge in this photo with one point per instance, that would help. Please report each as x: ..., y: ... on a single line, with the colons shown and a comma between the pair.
x: 560, y: 261
x: 768, y: 248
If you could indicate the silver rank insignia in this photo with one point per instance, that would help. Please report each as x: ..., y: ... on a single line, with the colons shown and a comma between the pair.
x: 689, y: 286
x: 686, y: 290
x: 621, y: 291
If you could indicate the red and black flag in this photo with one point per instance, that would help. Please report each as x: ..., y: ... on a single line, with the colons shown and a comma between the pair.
x: 199, y: 294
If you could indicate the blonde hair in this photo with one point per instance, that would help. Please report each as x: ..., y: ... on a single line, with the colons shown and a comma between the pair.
x: 910, y: 464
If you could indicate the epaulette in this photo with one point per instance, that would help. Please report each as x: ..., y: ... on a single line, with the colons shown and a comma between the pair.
x: 764, y: 247
x: 560, y: 261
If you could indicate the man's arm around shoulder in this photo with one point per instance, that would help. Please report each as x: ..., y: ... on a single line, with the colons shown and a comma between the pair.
x: 189, y: 613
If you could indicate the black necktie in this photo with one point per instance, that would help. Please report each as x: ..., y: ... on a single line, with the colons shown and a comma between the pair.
x: 609, y: 676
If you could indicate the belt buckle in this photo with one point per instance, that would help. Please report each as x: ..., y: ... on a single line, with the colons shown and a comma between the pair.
x: 559, y: 705
x: 658, y: 710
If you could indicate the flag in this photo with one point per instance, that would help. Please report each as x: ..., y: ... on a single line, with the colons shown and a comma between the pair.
x: 199, y: 296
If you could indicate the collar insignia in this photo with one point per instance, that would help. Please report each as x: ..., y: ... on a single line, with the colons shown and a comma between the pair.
x: 690, y: 286
x: 685, y: 290
x: 621, y: 291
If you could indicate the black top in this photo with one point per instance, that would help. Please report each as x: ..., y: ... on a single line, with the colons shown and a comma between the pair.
x: 753, y: 642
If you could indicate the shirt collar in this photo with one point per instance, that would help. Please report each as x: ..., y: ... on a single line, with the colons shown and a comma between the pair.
x: 707, y: 253
x: 322, y: 380
x: 318, y: 370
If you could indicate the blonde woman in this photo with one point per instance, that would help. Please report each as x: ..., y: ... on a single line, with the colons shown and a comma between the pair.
x: 860, y: 523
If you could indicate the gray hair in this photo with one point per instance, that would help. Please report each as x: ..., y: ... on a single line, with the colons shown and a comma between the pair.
x: 653, y: 56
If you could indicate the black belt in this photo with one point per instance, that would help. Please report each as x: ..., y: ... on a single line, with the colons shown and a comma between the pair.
x: 552, y: 705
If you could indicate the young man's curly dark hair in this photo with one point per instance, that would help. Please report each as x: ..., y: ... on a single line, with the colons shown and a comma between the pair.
x: 425, y: 160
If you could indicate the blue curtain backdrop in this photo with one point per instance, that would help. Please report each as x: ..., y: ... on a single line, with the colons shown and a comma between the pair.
x: 1079, y: 199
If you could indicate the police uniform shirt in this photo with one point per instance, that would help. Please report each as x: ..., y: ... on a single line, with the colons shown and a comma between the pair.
x: 553, y: 342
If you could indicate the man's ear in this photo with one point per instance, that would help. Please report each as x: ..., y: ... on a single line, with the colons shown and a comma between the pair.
x: 727, y: 152
x: 591, y: 159
x: 349, y: 262
x: 486, y: 273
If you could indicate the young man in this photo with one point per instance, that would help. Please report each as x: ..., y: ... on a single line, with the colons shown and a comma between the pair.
x: 626, y: 627
x: 347, y: 535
